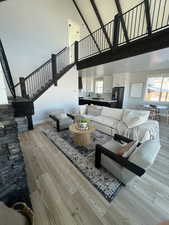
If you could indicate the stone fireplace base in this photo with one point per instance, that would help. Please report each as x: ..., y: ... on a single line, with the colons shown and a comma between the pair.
x: 13, y: 181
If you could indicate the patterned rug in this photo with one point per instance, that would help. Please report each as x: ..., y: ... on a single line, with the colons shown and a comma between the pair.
x: 83, y: 159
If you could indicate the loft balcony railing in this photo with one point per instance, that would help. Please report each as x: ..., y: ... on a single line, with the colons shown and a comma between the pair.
x: 87, y: 46
x: 137, y: 26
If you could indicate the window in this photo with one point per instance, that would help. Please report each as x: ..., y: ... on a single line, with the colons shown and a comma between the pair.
x: 99, y: 86
x: 157, y: 89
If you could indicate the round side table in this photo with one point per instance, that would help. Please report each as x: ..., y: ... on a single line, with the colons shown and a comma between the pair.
x: 82, y: 137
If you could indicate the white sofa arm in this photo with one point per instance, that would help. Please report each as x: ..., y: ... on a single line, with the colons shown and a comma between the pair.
x: 147, y: 131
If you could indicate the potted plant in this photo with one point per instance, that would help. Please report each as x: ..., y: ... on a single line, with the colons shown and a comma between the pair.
x: 83, y: 124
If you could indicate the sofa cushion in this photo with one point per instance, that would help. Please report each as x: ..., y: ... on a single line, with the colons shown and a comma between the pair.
x: 103, y: 128
x: 90, y: 117
x: 134, y: 118
x: 57, y: 112
x: 112, y: 112
x: 107, y: 121
x: 94, y: 110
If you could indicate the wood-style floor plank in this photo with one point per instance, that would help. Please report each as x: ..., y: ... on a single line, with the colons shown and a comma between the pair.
x: 62, y: 196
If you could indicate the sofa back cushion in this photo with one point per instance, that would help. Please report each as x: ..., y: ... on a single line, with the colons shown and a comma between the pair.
x: 112, y: 112
x: 94, y: 110
x: 134, y: 118
x: 145, y: 154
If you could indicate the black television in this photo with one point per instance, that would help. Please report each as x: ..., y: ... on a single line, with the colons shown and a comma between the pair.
x: 6, y: 70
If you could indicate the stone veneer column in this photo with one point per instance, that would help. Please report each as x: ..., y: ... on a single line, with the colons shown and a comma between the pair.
x: 13, y: 181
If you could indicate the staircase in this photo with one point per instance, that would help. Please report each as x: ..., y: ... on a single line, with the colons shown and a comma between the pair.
x: 36, y: 83
x: 30, y: 88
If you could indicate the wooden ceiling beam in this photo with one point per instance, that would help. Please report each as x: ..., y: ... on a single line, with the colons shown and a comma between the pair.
x: 88, y: 28
x: 101, y: 23
x: 119, y: 9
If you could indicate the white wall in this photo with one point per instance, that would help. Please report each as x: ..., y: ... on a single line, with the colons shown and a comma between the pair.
x: 31, y: 30
x: 3, y: 92
x: 65, y: 96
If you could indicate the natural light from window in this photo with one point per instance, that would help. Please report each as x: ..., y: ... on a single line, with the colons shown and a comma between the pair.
x: 99, y: 86
x: 157, y: 89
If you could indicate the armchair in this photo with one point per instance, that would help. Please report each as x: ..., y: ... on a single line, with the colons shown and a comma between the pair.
x: 126, y: 169
x: 61, y: 118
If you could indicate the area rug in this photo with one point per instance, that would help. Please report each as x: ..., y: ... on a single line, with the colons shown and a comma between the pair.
x: 83, y: 158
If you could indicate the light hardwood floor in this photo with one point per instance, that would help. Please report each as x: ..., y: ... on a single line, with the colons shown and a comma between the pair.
x: 62, y: 196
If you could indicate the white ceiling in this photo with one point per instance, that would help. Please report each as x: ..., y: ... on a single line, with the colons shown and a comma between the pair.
x: 157, y: 60
x: 153, y: 61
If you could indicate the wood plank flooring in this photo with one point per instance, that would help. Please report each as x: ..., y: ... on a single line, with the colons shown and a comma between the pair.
x: 62, y: 196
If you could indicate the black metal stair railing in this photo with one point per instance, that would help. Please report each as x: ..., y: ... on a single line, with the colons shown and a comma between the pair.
x: 62, y: 62
x: 36, y: 83
x: 144, y: 19
x: 65, y: 58
x: 29, y: 86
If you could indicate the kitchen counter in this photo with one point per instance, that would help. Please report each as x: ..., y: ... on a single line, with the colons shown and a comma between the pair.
x: 101, y: 102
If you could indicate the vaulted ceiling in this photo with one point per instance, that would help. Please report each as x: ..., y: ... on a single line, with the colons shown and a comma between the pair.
x: 107, y: 9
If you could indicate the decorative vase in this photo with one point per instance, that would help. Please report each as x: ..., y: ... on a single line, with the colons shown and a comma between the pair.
x: 83, y: 125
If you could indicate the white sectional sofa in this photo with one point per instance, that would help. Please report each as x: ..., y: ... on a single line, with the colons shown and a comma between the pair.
x: 130, y: 123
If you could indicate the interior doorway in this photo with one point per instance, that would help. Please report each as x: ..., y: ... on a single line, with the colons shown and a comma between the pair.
x: 73, y: 35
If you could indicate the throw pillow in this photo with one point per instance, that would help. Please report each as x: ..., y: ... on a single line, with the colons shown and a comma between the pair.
x: 94, y: 110
x: 131, y: 148
x: 124, y: 148
x: 134, y: 118
x: 112, y: 112
x: 127, y: 149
